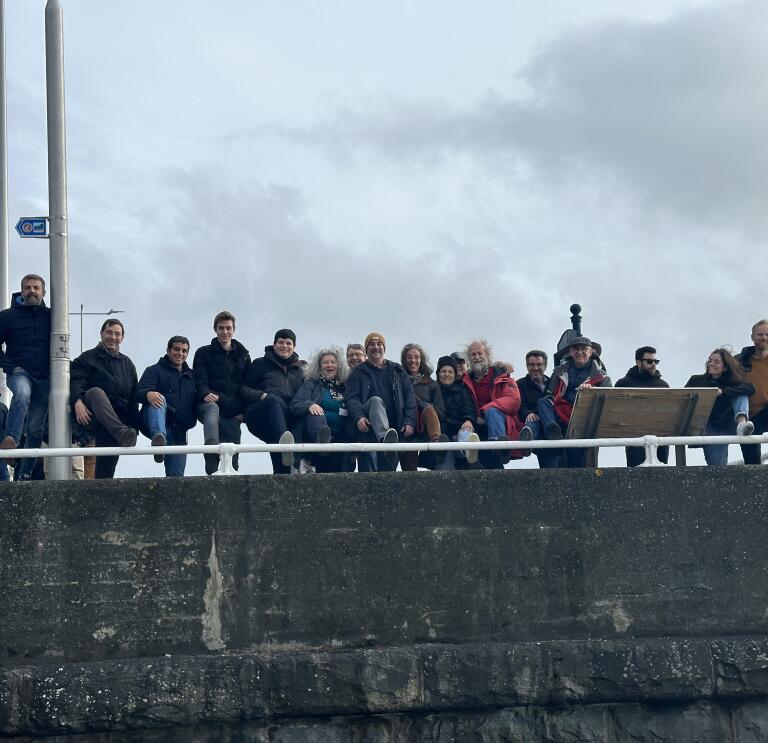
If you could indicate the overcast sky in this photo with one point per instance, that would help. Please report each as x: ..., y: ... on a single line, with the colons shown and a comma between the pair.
x: 435, y: 171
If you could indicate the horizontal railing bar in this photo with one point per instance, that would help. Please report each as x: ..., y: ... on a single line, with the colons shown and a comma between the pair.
x: 93, y: 451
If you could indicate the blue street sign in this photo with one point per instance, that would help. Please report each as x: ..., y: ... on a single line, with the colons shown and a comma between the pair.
x: 32, y: 227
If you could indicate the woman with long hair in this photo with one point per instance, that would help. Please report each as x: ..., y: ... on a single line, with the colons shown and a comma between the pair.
x: 730, y: 413
x: 429, y: 407
x: 320, y: 399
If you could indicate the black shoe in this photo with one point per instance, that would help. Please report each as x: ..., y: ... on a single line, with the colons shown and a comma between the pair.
x: 504, y: 454
x: 440, y: 455
x: 553, y: 431
x: 391, y: 437
x: 526, y: 435
x: 211, y: 463
x: 158, y: 440
x: 324, y: 436
x: 127, y: 437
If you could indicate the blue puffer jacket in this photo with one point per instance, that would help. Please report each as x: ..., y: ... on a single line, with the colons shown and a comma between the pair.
x: 178, y: 389
x: 25, y: 329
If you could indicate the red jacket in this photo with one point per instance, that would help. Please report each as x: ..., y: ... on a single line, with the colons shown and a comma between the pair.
x: 505, y: 397
x: 558, y: 385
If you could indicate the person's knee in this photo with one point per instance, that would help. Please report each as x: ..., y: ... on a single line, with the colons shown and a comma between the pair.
x: 208, y: 412
x: 545, y: 404
x: 21, y: 387
x: 272, y: 403
x: 375, y: 402
x: 94, y: 394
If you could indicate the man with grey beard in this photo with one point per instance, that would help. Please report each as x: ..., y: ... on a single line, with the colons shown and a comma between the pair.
x: 496, y: 399
x: 25, y: 331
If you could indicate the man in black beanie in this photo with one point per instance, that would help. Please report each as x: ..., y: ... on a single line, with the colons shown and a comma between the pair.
x: 270, y: 384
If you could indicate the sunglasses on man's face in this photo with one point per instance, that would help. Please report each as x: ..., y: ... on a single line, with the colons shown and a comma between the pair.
x: 650, y: 361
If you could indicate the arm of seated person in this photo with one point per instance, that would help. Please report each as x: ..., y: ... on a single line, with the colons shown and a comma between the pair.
x: 82, y: 414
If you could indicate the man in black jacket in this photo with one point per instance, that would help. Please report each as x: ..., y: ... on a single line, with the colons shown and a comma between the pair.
x: 166, y: 393
x: 533, y: 386
x: 25, y: 329
x: 102, y: 389
x: 381, y: 401
x: 219, y: 369
x: 645, y: 373
x: 271, y: 383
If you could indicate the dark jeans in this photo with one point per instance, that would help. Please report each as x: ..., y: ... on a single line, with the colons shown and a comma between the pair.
x: 334, y: 462
x: 366, y: 462
x: 560, y: 458
x: 751, y: 452
x: 268, y: 420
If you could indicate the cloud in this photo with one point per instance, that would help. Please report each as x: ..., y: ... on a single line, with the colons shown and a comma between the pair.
x: 673, y: 112
x: 211, y: 242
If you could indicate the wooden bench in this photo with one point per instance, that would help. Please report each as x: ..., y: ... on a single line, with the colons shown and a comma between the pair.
x: 627, y: 412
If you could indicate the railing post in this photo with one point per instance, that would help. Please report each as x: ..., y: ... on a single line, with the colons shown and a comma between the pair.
x: 651, y: 444
x: 226, y: 452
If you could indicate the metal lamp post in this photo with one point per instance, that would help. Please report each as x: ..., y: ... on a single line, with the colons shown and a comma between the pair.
x: 59, y: 429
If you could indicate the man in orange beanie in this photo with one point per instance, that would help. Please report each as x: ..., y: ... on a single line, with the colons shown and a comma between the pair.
x: 381, y: 401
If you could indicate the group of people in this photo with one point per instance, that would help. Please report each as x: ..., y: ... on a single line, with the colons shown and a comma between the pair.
x: 338, y: 396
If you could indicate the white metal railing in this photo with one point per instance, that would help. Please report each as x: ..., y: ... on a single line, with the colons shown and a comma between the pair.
x: 227, y: 451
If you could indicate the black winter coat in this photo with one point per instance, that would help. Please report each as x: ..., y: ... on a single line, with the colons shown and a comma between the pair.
x: 722, y: 412
x: 530, y: 394
x: 116, y: 375
x: 25, y: 329
x: 177, y: 386
x: 359, y: 391
x: 273, y: 375
x: 745, y: 357
x: 222, y: 372
x: 638, y: 378
x: 459, y: 407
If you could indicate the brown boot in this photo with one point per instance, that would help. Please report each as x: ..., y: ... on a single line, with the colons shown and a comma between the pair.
x: 89, y: 465
x: 9, y: 443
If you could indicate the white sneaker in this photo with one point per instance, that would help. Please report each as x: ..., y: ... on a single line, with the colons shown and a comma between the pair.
x: 472, y: 454
x: 287, y: 456
x: 745, y: 428
x: 306, y: 467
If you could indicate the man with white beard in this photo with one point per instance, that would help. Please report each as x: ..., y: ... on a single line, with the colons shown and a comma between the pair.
x: 497, y: 401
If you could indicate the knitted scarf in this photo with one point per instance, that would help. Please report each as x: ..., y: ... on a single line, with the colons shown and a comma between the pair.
x: 114, y: 353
